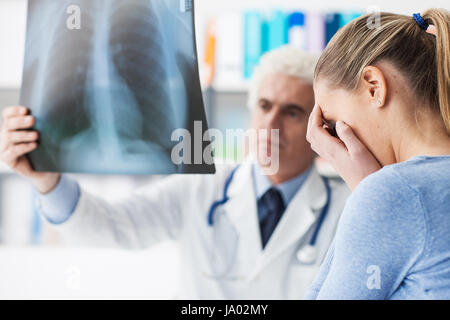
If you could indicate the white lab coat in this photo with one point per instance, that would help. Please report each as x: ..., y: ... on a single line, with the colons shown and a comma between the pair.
x: 225, y: 261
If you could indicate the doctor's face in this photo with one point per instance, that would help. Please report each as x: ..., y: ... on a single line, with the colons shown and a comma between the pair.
x: 285, y: 103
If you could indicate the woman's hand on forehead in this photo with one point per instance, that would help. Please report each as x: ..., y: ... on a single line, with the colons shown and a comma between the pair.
x: 336, y: 143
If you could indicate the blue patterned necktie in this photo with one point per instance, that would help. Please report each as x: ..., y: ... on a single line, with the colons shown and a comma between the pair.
x: 270, y: 210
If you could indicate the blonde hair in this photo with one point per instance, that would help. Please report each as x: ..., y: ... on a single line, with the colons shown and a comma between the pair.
x: 423, y: 58
x: 286, y: 60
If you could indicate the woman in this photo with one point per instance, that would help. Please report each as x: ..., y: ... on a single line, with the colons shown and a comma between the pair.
x: 388, y: 91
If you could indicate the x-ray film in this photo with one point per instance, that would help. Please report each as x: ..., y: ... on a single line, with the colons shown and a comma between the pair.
x: 114, y: 87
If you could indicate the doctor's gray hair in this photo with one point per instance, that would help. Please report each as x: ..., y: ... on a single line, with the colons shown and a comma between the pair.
x: 286, y: 60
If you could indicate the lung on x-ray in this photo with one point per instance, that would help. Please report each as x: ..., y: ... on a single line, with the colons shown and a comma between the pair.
x: 114, y: 87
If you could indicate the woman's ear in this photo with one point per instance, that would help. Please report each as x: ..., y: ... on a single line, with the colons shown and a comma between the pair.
x: 374, y: 86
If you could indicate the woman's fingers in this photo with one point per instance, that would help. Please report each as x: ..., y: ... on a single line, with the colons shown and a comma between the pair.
x: 348, y: 137
x: 322, y: 142
x: 316, y: 126
x: 315, y: 120
x: 347, y: 154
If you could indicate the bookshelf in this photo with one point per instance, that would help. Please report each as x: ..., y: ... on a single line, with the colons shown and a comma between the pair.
x: 228, y: 34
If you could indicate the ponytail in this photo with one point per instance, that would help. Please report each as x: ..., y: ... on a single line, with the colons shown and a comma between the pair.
x: 441, y: 20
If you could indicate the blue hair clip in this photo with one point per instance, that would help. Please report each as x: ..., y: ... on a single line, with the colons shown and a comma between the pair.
x: 420, y: 21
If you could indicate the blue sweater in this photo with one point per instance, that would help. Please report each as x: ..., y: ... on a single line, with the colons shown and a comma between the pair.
x: 393, y: 239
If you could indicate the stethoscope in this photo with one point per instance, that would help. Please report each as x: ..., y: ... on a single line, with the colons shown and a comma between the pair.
x: 305, y: 255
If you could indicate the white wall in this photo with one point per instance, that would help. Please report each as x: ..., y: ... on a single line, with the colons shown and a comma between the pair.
x: 402, y: 6
x: 12, y: 42
x: 59, y: 273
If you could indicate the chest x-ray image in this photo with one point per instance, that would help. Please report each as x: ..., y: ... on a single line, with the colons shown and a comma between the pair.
x: 109, y: 81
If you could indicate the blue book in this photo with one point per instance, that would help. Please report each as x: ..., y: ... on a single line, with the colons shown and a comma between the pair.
x: 347, y: 17
x: 255, y: 41
x: 297, y: 19
x: 278, y: 30
x: 332, y: 21
x: 297, y: 33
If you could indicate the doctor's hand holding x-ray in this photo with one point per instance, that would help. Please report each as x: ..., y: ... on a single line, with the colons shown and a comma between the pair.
x: 242, y: 234
x: 16, y: 141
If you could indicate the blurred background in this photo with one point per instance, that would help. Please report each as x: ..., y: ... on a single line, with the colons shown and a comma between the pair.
x: 35, y: 261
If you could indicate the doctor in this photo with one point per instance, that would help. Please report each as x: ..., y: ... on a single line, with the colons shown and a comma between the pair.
x: 243, y: 234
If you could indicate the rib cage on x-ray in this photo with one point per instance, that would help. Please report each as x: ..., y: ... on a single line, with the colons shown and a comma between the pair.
x: 143, y: 72
x: 49, y: 75
x: 107, y: 97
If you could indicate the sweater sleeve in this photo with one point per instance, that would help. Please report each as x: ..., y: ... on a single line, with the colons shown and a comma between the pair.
x: 314, y: 289
x: 380, y: 237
